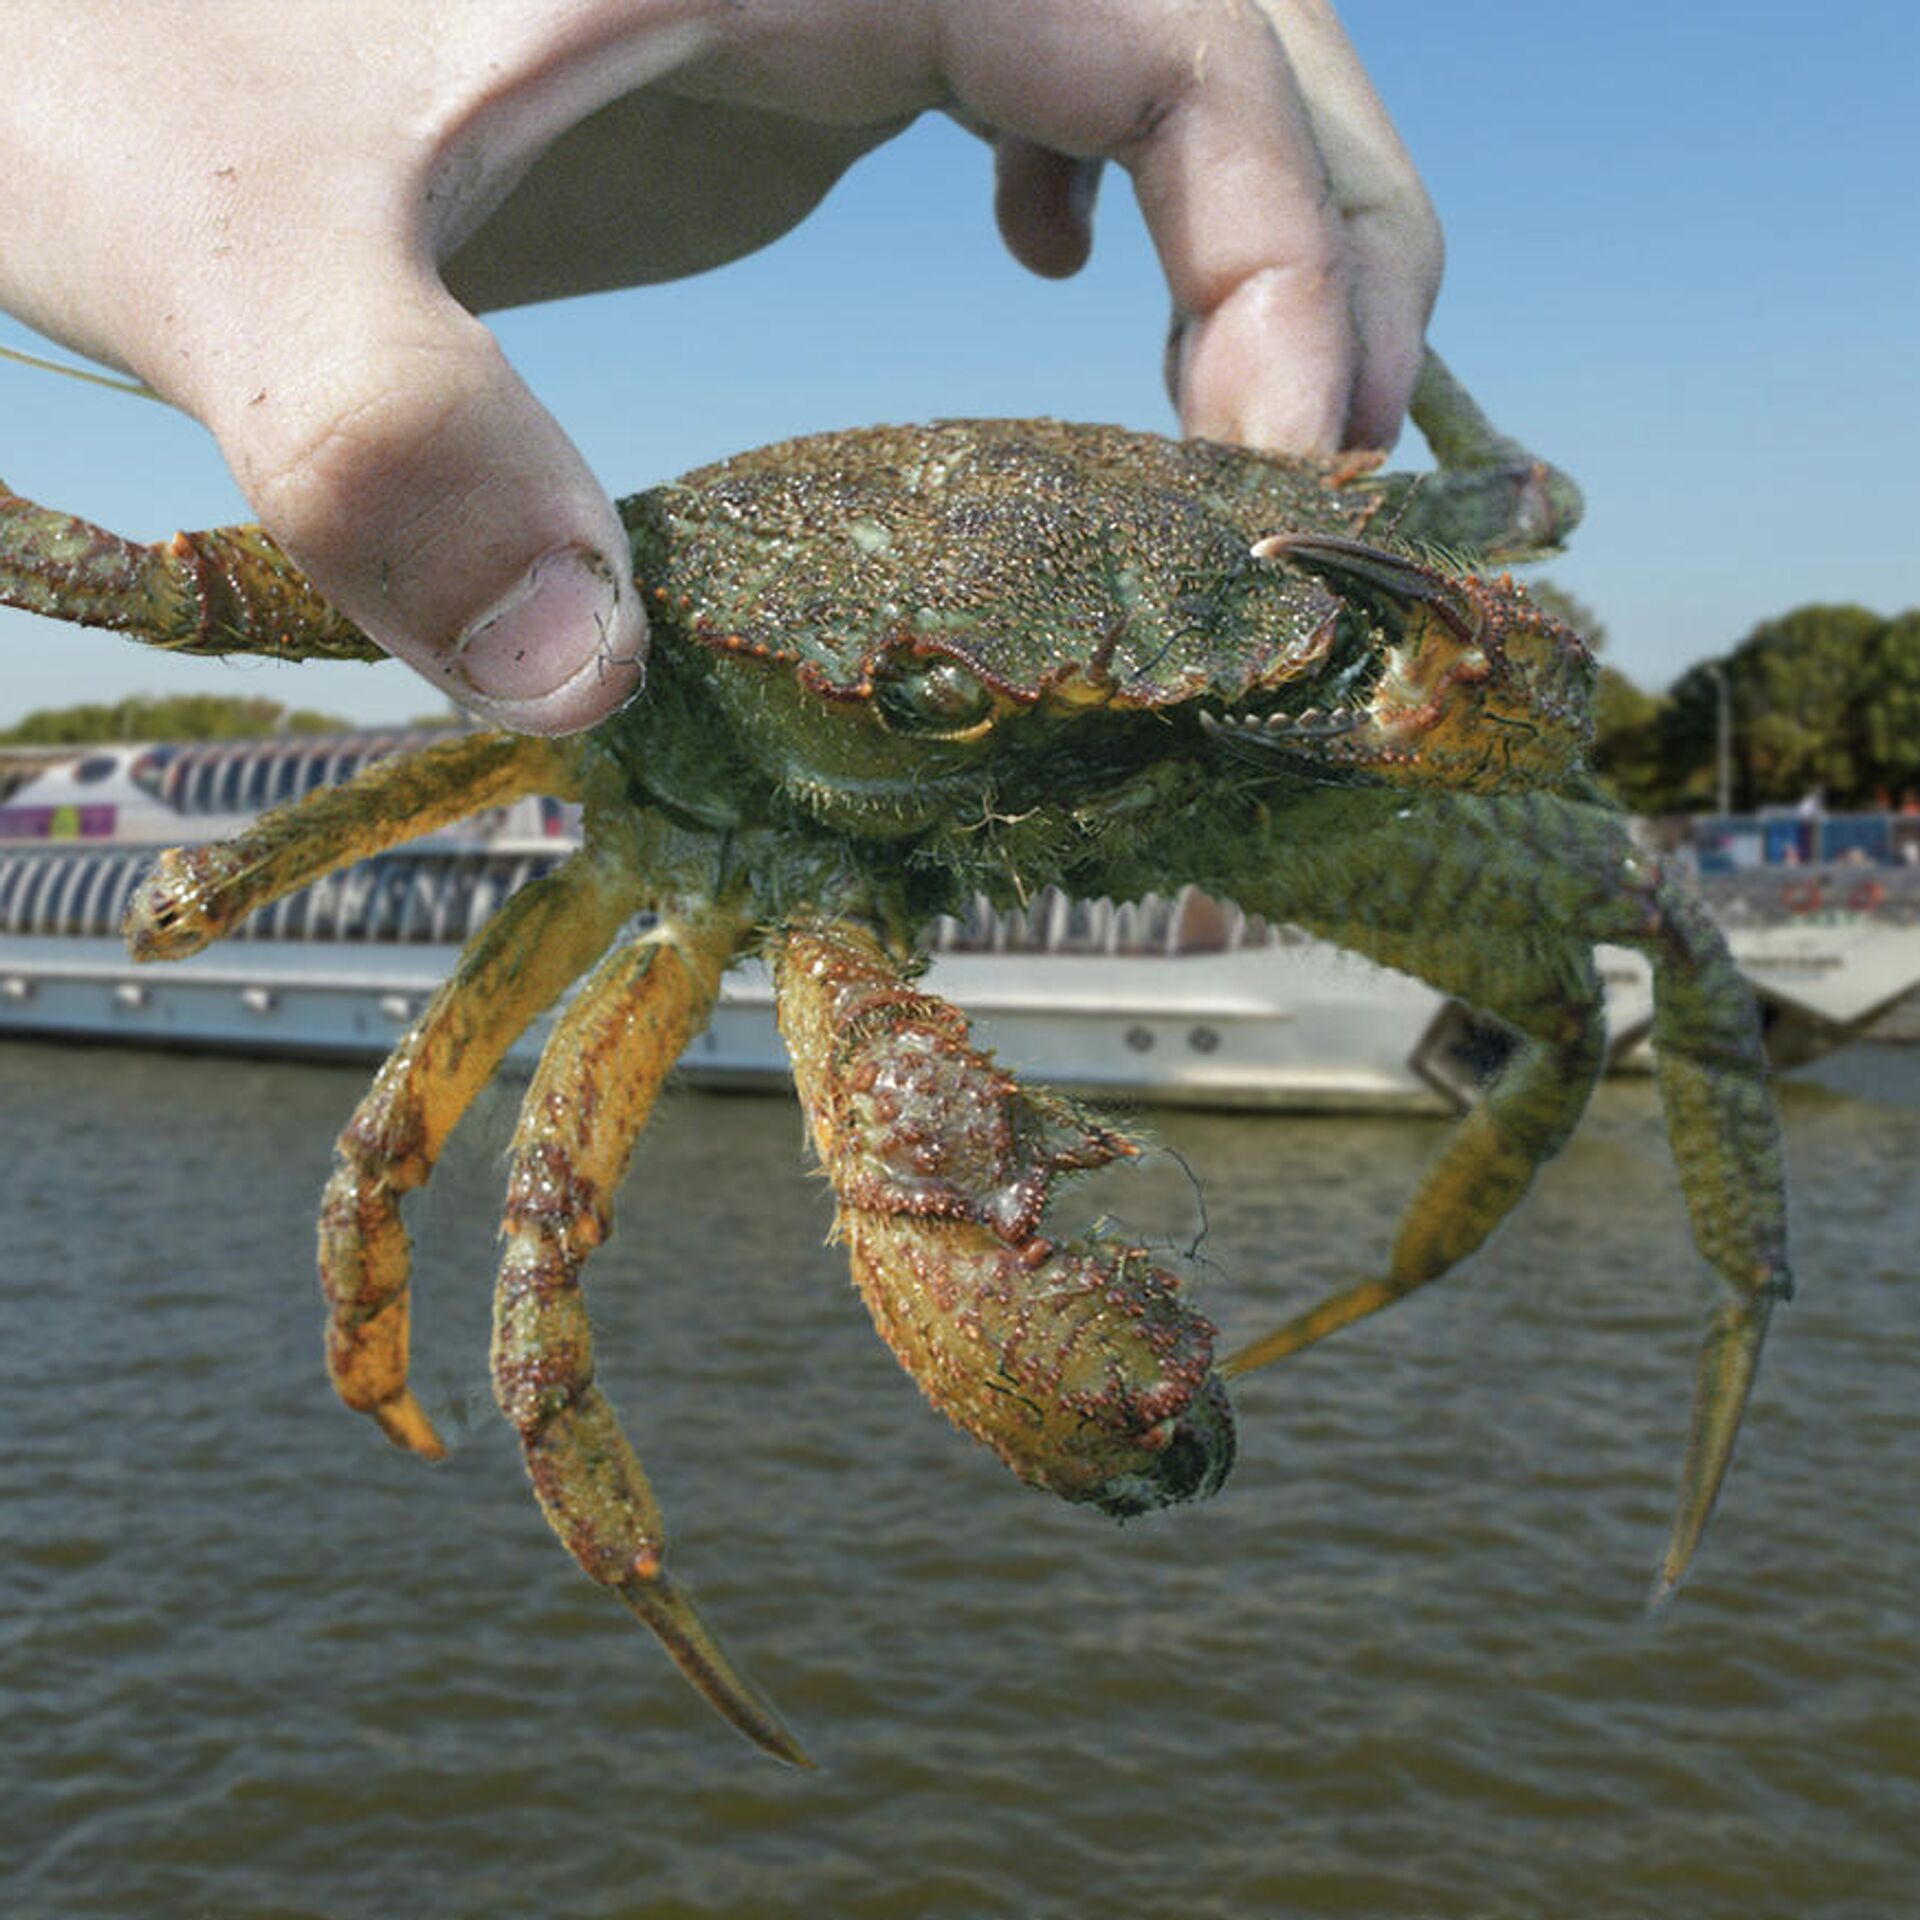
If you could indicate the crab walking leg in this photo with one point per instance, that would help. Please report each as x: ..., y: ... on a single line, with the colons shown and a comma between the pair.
x: 232, y: 590
x: 1726, y: 1145
x: 1487, y: 1164
x: 1525, y: 882
x: 1490, y: 495
x: 194, y: 895
x: 545, y: 936
x: 590, y: 1097
x: 1479, y: 918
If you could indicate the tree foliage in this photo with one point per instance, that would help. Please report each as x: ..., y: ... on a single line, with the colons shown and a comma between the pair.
x: 183, y: 716
x: 1822, y: 700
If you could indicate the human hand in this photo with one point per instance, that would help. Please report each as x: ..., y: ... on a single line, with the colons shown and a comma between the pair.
x: 283, y: 218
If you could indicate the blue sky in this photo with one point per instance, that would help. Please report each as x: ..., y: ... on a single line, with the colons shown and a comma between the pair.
x: 1683, y: 263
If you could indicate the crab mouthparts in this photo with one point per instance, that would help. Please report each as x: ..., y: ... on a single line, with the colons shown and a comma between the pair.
x: 1193, y: 1465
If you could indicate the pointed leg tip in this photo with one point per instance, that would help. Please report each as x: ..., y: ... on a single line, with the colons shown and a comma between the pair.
x: 671, y: 1617
x: 407, y: 1426
x: 788, y: 1751
x: 1666, y: 1588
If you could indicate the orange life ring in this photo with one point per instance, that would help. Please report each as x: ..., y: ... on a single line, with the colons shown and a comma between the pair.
x: 1801, y: 896
x: 1866, y: 896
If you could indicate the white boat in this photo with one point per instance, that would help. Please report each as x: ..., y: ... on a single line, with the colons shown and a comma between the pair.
x: 1181, y: 999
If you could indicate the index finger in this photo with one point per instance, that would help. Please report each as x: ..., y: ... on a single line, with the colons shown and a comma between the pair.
x: 1243, y: 213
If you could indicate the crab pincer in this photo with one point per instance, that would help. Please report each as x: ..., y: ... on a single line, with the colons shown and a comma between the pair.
x: 1079, y: 1363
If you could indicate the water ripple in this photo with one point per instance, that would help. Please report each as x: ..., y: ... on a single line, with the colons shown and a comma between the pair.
x: 253, y: 1663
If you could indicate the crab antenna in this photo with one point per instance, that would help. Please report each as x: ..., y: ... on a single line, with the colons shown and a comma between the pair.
x: 41, y: 364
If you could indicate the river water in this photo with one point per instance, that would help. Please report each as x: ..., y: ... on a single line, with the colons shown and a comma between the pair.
x: 255, y: 1663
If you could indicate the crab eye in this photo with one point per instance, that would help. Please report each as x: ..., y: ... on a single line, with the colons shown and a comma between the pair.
x: 941, y: 700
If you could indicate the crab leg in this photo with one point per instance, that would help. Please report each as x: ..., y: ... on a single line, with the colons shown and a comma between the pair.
x: 1726, y: 1144
x: 1077, y: 1362
x: 1470, y: 919
x: 194, y: 895
x: 545, y: 936
x: 232, y: 590
x: 1490, y: 495
x: 590, y: 1097
x: 1523, y: 1119
x: 1513, y: 891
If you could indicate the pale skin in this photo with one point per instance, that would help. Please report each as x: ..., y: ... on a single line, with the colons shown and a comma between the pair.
x: 284, y: 219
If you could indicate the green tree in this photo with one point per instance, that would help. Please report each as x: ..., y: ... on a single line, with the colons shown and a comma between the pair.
x: 1800, y: 690
x: 184, y: 716
x: 1626, y: 741
x: 1888, y: 714
x: 1824, y: 698
x: 1686, y: 745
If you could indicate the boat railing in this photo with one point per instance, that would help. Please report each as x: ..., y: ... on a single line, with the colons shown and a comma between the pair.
x: 248, y: 776
x: 400, y: 898
x: 1053, y: 922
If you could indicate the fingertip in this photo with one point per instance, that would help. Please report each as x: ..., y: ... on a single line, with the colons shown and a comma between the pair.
x: 1393, y: 307
x: 429, y: 496
x: 1043, y: 203
x: 560, y: 651
x: 1271, y: 367
x: 1383, y: 392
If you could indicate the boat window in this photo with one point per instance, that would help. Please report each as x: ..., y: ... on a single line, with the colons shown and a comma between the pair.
x: 323, y: 908
x: 374, y: 920
x: 115, y: 898
x: 149, y: 772
x: 173, y: 772
x: 12, y: 877
x: 1123, y: 928
x: 90, y: 905
x: 450, y: 900
x: 489, y: 889
x: 54, y: 896
x: 80, y: 907
x: 290, y: 915
x: 38, y: 868
x: 101, y: 912
x: 231, y: 775
x: 424, y: 879
x: 286, y: 776
x: 357, y: 885
x: 96, y: 767
x: 260, y: 781
x: 207, y: 787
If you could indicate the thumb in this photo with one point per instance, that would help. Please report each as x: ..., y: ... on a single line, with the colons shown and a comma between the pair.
x: 406, y: 467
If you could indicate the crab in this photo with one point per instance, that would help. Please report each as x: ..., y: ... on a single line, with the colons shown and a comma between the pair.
x: 899, y: 666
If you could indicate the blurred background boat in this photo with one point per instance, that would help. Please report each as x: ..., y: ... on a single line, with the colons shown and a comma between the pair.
x: 1180, y: 999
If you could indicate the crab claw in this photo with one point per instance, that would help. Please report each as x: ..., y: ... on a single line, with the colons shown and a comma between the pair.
x: 1197, y: 1452
x: 1476, y: 688
x: 1079, y: 1362
x: 1411, y: 585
